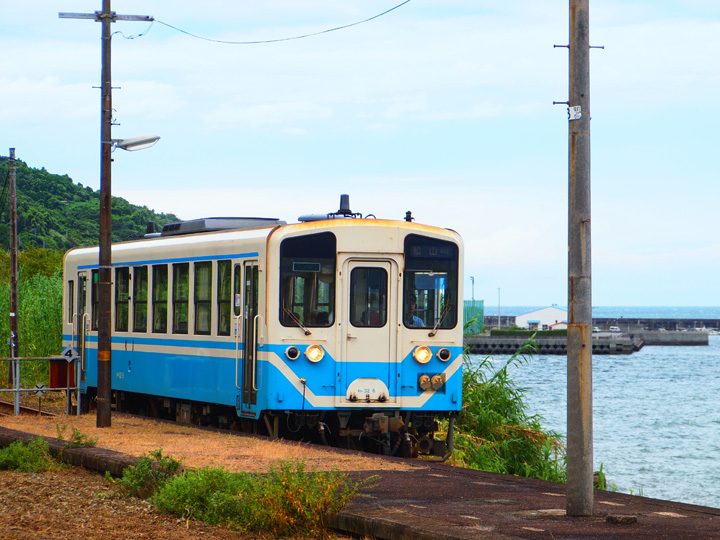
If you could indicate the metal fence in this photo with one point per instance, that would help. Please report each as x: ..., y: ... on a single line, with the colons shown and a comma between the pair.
x: 72, y: 367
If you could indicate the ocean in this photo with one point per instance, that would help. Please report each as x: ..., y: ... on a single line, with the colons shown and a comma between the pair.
x: 656, y: 412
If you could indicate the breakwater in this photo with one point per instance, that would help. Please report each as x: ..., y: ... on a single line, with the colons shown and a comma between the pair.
x: 602, y: 342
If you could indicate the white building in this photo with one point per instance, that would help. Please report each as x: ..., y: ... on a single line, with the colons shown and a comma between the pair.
x: 549, y: 318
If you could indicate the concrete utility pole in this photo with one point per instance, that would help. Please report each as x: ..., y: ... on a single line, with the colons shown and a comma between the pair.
x: 13, y: 371
x: 579, y: 491
x: 104, y: 382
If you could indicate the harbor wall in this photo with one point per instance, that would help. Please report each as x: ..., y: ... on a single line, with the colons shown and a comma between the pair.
x: 486, y: 344
x: 602, y: 343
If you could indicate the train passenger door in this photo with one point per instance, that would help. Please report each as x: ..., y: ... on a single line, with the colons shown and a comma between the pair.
x: 80, y: 320
x: 367, y: 367
x: 251, y: 321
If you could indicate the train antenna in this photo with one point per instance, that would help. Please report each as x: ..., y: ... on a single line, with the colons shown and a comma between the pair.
x: 344, y: 206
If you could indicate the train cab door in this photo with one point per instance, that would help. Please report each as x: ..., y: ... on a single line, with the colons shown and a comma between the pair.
x: 367, y: 370
x: 81, y: 320
x: 250, y: 324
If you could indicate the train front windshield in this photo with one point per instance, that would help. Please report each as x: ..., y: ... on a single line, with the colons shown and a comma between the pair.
x: 430, y: 283
x: 307, y: 266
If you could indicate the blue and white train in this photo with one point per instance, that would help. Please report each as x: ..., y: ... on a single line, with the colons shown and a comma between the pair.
x: 340, y: 329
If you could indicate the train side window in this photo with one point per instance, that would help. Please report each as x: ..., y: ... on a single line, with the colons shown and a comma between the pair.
x: 224, y: 297
x: 94, y: 300
x: 202, y: 294
x: 122, y: 299
x: 368, y: 297
x: 237, y: 291
x: 140, y: 297
x: 70, y: 301
x: 430, y: 283
x: 181, y: 296
x: 82, y: 298
x: 307, y: 280
x: 160, y: 297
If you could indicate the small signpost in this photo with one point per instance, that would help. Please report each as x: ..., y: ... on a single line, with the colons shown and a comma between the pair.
x: 39, y: 389
x: 70, y: 354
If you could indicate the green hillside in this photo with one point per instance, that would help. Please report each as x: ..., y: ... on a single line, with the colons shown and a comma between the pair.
x: 56, y: 213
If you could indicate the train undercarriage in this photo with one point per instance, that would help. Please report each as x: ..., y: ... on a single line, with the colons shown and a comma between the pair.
x: 406, y: 434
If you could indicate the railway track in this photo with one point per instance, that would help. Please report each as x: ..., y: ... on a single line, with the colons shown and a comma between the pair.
x: 7, y: 408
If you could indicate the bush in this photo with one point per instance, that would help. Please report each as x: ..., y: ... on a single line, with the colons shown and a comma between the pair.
x: 147, y: 477
x: 31, y: 457
x: 495, y: 432
x: 210, y: 495
x: 286, y: 501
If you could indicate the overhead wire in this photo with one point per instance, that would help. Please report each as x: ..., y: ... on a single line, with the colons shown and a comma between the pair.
x: 133, y: 36
x: 258, y: 42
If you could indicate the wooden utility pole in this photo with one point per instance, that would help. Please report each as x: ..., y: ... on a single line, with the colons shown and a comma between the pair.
x: 13, y: 267
x: 104, y: 387
x: 104, y: 369
x: 579, y: 491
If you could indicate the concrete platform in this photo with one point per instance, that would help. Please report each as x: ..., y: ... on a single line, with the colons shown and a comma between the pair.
x: 434, y: 501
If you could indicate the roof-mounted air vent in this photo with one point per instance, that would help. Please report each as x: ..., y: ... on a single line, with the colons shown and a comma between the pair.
x: 195, y: 226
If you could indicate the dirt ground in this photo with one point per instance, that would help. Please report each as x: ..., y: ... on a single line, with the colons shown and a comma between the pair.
x: 77, y: 504
x: 136, y: 436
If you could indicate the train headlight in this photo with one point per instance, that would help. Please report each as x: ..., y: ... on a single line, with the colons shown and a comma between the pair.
x: 444, y: 354
x: 314, y: 353
x: 422, y: 354
x: 292, y: 353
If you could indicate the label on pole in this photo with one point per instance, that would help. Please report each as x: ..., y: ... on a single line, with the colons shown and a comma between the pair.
x: 39, y: 389
x: 574, y: 113
x: 70, y: 354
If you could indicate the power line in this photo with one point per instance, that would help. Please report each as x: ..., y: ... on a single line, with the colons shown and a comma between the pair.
x: 133, y: 36
x: 281, y: 39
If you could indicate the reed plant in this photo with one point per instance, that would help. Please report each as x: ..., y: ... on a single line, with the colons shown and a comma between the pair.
x: 39, y: 319
x: 495, y: 430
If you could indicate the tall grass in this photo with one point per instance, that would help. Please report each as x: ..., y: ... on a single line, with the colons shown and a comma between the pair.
x: 496, y: 432
x: 39, y: 323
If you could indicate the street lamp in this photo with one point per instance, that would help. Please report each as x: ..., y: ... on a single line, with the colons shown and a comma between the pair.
x: 472, y: 280
x: 136, y: 143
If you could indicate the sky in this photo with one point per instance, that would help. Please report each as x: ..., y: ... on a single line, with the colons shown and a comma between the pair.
x: 444, y: 109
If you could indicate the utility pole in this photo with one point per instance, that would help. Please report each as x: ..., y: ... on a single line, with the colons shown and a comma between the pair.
x: 579, y: 490
x: 104, y: 369
x: 13, y: 372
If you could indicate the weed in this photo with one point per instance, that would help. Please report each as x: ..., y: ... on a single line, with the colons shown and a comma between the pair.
x: 600, y: 481
x: 77, y: 438
x: 495, y: 432
x: 147, y: 477
x: 31, y: 457
x: 287, y: 501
